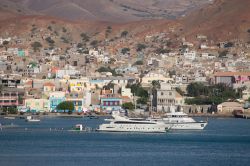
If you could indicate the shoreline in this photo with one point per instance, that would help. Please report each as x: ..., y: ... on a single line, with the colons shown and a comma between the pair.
x: 108, y: 115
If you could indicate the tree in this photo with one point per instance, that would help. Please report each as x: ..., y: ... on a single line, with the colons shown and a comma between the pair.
x: 36, y: 46
x: 50, y: 28
x: 156, y: 84
x: 64, y: 29
x: 129, y: 106
x: 85, y: 37
x: 140, y: 47
x: 50, y: 41
x: 223, y: 54
x: 161, y: 51
x: 124, y: 33
x: 138, y: 63
x: 109, y: 86
x: 179, y: 91
x: 94, y: 43
x: 125, y: 50
x: 66, y: 105
x: 5, y: 43
x: 79, y: 45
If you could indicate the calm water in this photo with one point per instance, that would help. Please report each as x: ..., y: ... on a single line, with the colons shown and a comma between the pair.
x: 224, y: 142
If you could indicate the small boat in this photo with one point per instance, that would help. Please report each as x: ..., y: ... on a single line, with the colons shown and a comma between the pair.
x: 80, y: 127
x: 9, y: 117
x: 32, y: 119
x: 12, y: 125
x: 93, y: 117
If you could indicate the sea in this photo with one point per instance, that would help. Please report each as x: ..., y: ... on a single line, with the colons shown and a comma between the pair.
x: 224, y: 142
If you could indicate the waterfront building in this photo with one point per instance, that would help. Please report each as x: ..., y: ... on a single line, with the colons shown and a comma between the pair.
x: 232, y: 79
x: 229, y: 107
x: 164, y: 97
x: 37, y: 105
x: 56, y: 98
x: 110, y: 102
x: 77, y: 99
x: 49, y: 87
x: 11, y: 97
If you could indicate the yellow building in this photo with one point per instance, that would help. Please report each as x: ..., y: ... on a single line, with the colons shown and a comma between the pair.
x: 37, y: 105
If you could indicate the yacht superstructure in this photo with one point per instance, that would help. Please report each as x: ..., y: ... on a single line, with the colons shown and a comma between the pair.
x: 181, y: 121
x: 125, y: 124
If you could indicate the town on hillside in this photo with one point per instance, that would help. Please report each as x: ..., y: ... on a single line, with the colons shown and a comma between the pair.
x: 154, y: 75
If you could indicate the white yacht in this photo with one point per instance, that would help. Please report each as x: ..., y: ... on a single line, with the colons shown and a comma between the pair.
x: 125, y: 124
x: 32, y: 119
x: 181, y: 121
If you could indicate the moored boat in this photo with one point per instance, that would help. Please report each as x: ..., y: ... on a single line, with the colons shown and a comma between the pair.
x: 32, y: 119
x: 125, y: 124
x: 181, y: 121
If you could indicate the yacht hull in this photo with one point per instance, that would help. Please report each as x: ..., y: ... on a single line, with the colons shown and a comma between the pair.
x: 133, y: 128
x: 187, y: 126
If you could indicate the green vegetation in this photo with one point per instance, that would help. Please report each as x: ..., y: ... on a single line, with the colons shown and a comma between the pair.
x: 223, y: 54
x: 66, y: 105
x: 50, y: 41
x: 129, y: 106
x: 5, y: 43
x: 109, y: 86
x: 215, y: 94
x: 140, y: 47
x: 156, y: 84
x: 138, y: 63
x: 49, y: 28
x: 108, y: 69
x: 139, y: 91
x: 229, y: 44
x: 10, y: 110
x: 125, y: 50
x: 85, y: 37
x: 172, y: 73
x: 124, y: 33
x: 179, y: 91
x: 80, y: 45
x: 161, y: 51
x: 36, y: 46
x: 64, y: 40
x: 64, y: 29
x: 94, y: 43
x: 108, y: 31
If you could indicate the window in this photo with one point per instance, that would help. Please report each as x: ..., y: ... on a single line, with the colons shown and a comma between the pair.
x: 162, y: 93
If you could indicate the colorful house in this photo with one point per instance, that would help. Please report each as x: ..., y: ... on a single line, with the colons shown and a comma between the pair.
x: 49, y: 87
x: 56, y: 98
x: 21, y: 53
x: 37, y: 105
x: 78, y: 101
x: 110, y: 102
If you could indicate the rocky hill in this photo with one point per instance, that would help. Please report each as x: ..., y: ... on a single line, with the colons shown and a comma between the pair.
x: 111, y: 10
x: 224, y: 19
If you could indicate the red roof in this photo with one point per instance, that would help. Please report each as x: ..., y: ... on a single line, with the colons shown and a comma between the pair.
x: 54, y: 69
x: 48, y: 84
x: 225, y: 74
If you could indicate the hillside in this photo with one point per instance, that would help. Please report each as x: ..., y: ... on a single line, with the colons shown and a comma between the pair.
x: 222, y: 20
x: 111, y: 10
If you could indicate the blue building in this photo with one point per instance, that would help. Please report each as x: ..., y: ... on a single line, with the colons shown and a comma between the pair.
x: 55, y: 99
x: 110, y: 102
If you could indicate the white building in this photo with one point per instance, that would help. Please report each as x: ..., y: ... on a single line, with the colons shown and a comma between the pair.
x: 191, y: 55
